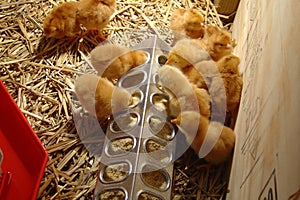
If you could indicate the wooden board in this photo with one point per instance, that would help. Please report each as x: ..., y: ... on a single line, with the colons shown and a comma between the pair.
x: 267, y: 160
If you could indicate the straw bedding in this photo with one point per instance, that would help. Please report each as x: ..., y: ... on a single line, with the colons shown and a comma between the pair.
x: 40, y: 74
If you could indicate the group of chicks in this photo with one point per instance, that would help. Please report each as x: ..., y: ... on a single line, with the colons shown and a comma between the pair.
x: 203, y: 59
x: 200, y: 71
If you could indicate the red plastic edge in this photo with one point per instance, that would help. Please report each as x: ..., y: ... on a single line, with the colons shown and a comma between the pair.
x: 6, y: 177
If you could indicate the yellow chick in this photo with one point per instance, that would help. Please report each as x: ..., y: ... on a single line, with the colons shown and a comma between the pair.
x: 100, y: 97
x: 199, y: 100
x: 185, y: 55
x: 206, y: 70
x: 229, y: 81
x: 184, y: 95
x: 113, y: 61
x: 66, y: 19
x: 204, y: 101
x: 186, y: 23
x: 174, y: 81
x: 212, y: 137
x: 229, y: 64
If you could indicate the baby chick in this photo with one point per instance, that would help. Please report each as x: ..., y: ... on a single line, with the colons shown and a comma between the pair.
x: 184, y: 55
x: 61, y: 21
x: 229, y: 64
x: 66, y: 19
x: 174, y: 81
x: 216, y: 41
x: 202, y: 103
x: 100, y: 97
x: 95, y: 14
x: 206, y: 70
x: 184, y: 95
x: 213, y: 137
x: 113, y: 61
x: 232, y: 82
x: 186, y: 23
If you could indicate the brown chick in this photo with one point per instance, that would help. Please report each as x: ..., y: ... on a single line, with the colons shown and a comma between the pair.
x: 113, y: 61
x: 217, y: 42
x: 174, y: 81
x: 61, y: 21
x: 66, y: 19
x: 233, y: 82
x: 184, y: 95
x: 186, y: 23
x: 202, y: 103
x: 100, y: 97
x: 95, y: 14
x: 212, y: 140
x: 233, y: 86
x: 225, y: 92
x: 229, y: 64
x: 184, y: 55
x: 206, y: 70
x: 225, y: 89
x: 222, y: 150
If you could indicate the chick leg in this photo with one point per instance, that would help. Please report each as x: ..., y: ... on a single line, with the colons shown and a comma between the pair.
x: 95, y: 35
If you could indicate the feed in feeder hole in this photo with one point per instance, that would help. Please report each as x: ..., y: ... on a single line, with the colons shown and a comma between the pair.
x: 156, y: 178
x: 120, y: 145
x: 112, y: 194
x: 115, y: 172
x: 148, y: 196
x: 161, y: 128
x: 124, y: 122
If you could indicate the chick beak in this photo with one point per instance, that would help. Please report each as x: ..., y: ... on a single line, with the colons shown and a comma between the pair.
x: 174, y: 121
x: 228, y: 46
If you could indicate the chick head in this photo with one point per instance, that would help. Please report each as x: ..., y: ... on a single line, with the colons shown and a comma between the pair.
x: 185, y: 53
x: 53, y: 28
x: 177, y: 61
x: 229, y: 64
x: 193, y: 23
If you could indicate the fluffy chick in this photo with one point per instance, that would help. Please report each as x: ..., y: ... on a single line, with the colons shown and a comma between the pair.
x: 174, y: 81
x: 217, y: 42
x: 233, y: 87
x: 184, y: 55
x: 184, y: 95
x: 61, y: 21
x: 100, y: 97
x: 186, y: 23
x: 229, y: 64
x: 202, y: 103
x: 206, y: 70
x: 225, y: 92
x: 65, y: 19
x: 208, y: 134
x: 95, y: 14
x: 113, y: 61
x: 232, y: 80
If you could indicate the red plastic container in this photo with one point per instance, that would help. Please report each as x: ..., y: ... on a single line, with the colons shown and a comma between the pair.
x: 24, y: 157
